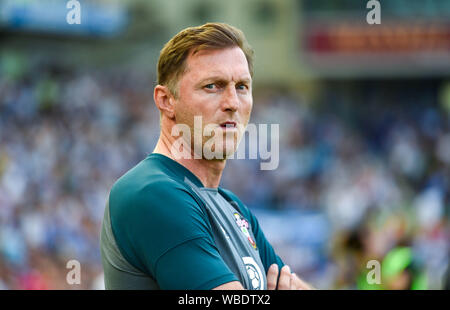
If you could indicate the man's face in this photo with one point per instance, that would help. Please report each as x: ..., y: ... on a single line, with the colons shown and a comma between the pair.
x: 217, y: 87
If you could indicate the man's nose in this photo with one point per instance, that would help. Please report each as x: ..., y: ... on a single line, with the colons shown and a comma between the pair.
x: 230, y: 100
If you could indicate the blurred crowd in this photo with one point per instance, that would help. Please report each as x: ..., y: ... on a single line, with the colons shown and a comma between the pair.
x: 362, y: 172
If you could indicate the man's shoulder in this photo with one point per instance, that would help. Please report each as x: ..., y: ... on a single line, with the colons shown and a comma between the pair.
x: 149, y: 180
x: 151, y: 210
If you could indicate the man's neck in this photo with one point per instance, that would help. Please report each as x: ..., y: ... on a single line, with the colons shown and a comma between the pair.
x: 209, y: 172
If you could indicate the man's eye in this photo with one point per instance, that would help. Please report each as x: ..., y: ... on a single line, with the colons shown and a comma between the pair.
x: 241, y: 87
x: 209, y: 86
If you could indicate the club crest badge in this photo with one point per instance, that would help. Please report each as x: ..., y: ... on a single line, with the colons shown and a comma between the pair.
x: 244, y: 226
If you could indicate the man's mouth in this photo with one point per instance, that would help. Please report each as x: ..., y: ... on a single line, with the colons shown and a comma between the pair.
x: 228, y: 125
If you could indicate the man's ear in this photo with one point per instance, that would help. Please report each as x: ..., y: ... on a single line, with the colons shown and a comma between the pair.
x: 164, y: 101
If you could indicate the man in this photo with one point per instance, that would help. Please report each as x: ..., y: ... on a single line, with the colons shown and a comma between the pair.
x: 168, y: 224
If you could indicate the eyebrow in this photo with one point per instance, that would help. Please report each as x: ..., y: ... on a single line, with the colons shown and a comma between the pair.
x: 221, y: 79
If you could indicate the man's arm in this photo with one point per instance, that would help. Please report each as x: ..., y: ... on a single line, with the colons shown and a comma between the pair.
x: 287, y: 281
